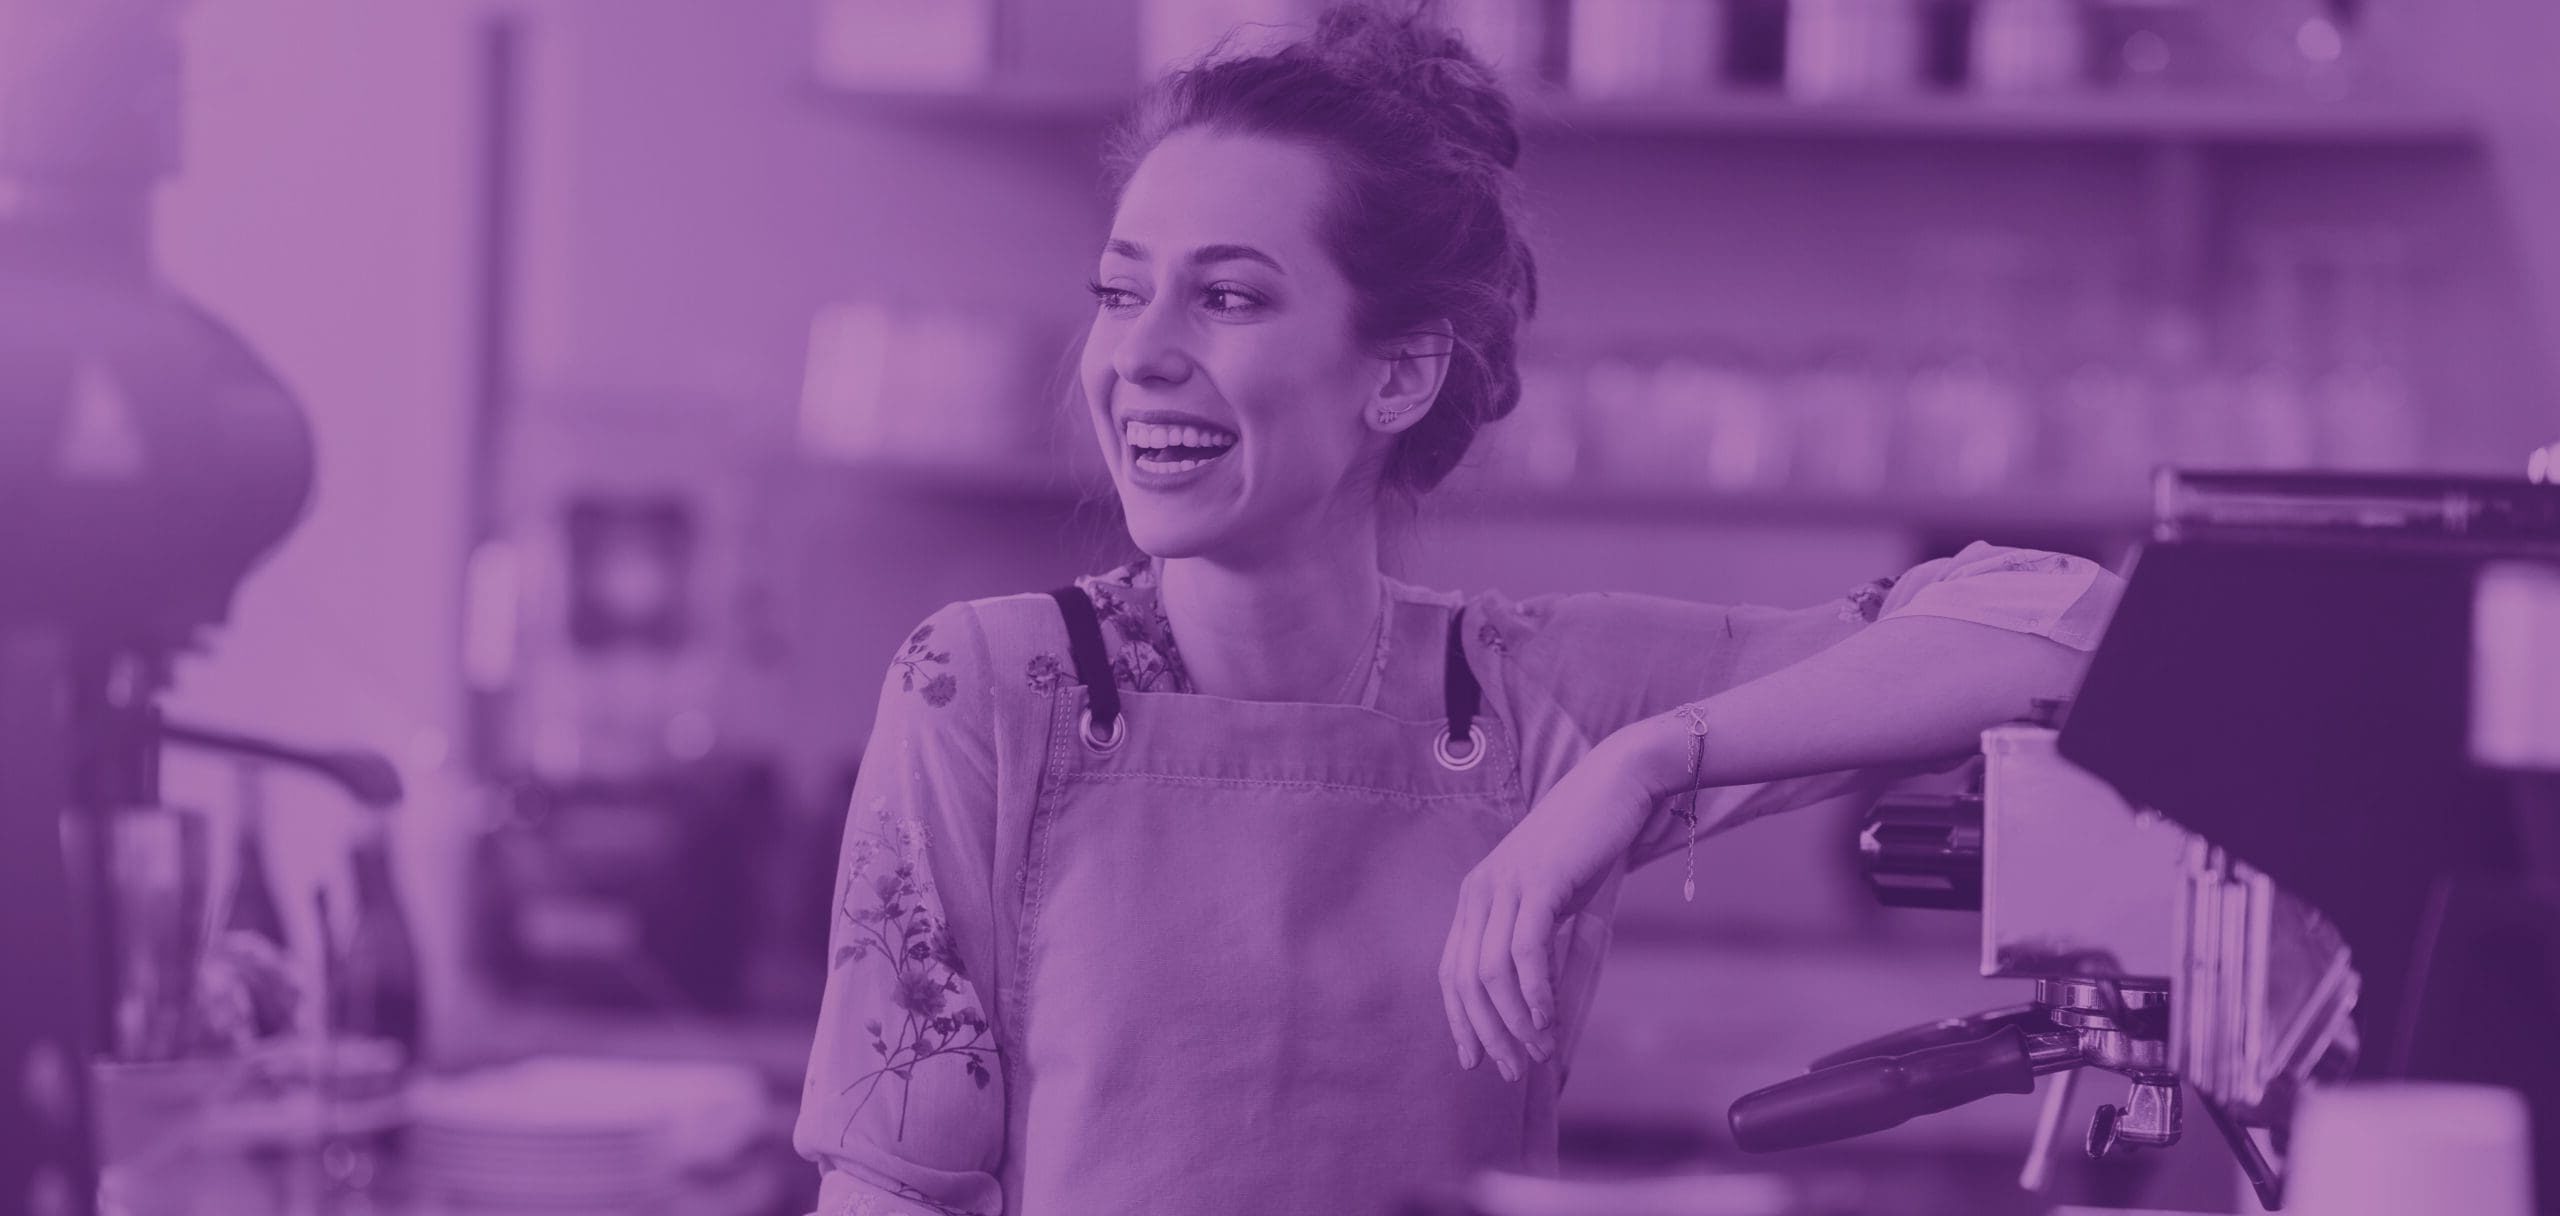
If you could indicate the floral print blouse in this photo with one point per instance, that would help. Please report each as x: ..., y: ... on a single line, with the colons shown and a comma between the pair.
x: 905, y: 1108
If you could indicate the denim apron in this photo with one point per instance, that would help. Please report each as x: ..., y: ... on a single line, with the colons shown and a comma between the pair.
x: 1227, y: 996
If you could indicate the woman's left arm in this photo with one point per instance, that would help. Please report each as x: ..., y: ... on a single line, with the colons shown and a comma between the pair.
x: 1943, y: 662
x: 1902, y: 690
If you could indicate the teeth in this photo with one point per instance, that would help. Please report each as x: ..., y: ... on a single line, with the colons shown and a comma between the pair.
x: 1158, y: 435
x: 1173, y: 466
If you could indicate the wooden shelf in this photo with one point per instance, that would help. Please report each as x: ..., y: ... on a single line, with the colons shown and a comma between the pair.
x: 1892, y: 510
x: 2200, y: 118
x: 2077, y: 118
x: 1011, y: 103
x: 1017, y: 485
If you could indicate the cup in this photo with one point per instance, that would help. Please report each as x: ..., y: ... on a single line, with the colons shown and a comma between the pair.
x: 2390, y: 1148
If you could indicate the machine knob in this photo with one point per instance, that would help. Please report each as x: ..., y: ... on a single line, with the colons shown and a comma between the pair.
x: 2148, y: 1120
x: 1924, y: 851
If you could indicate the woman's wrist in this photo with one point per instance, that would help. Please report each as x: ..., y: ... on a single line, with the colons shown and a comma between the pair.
x: 1654, y: 754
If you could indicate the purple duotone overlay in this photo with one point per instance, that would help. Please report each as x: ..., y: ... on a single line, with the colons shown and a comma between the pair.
x: 486, y: 457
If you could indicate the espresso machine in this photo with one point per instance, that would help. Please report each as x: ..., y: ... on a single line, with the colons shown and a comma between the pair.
x: 2300, y: 826
x: 148, y: 459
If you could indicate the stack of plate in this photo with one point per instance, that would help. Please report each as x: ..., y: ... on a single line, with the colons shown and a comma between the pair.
x: 579, y: 1137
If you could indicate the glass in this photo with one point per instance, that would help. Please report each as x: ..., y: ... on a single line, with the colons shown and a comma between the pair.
x: 1720, y: 423
x: 2027, y: 46
x: 1540, y: 444
x: 2104, y: 437
x: 2194, y: 394
x: 2289, y: 46
x: 1967, y: 425
x: 2149, y: 44
x: 1617, y: 399
x: 1853, y: 48
x: 2272, y: 365
x: 1843, y: 403
x: 1639, y: 48
x: 2366, y: 392
x: 202, y: 1110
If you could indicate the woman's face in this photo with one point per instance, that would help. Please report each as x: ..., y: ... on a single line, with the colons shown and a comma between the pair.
x: 1233, y: 405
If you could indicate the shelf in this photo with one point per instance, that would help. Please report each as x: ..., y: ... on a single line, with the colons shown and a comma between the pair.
x: 2078, y: 118
x: 1896, y: 510
x: 1010, y: 103
x: 1022, y: 485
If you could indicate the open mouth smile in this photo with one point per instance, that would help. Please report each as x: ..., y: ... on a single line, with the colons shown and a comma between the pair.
x: 1165, y: 450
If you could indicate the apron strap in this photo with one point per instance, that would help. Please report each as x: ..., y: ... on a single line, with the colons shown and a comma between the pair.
x: 1464, y: 694
x: 1093, y: 663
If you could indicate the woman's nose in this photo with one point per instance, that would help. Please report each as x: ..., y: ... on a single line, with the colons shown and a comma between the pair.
x: 1154, y: 348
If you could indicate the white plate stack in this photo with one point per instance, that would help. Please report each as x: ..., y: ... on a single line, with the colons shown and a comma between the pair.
x: 583, y: 1137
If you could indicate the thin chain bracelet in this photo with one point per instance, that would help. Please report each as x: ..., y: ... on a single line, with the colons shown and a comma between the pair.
x: 1695, y: 715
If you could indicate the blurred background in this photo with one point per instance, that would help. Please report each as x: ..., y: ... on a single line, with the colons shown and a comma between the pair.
x: 666, y: 361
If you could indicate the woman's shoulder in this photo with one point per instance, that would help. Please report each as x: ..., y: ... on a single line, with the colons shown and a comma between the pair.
x: 1019, y: 640
x: 1562, y: 620
x: 1021, y: 614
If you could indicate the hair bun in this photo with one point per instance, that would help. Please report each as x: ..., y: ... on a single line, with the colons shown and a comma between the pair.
x: 1428, y: 64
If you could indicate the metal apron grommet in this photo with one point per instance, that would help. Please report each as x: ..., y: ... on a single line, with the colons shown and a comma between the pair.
x: 1459, y: 764
x: 1119, y: 733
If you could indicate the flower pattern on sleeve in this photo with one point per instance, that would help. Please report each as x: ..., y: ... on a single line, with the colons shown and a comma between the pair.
x: 1045, y: 672
x: 1867, y: 600
x: 888, y: 916
x: 1127, y: 603
x: 2037, y: 563
x: 937, y: 687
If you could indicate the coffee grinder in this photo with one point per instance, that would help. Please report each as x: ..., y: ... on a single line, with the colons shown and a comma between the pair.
x: 148, y: 459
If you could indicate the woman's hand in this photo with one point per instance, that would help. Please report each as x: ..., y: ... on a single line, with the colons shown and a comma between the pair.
x: 1496, y: 971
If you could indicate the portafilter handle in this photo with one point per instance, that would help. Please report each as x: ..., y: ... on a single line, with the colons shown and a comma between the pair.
x: 1879, y: 1092
x: 2028, y: 1018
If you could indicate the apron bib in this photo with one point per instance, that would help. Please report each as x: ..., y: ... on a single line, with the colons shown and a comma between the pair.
x: 1227, y: 996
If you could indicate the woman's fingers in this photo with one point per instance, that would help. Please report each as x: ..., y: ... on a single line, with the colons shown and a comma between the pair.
x: 1487, y: 1023
x: 1470, y: 1052
x: 1533, y: 938
x: 1499, y: 971
x: 1499, y: 981
x: 1498, y: 1043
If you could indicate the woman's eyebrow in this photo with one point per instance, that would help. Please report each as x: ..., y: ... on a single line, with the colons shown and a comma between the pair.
x: 1202, y: 256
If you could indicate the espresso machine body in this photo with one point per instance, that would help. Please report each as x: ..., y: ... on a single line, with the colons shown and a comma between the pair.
x: 147, y: 460
x: 2367, y: 723
x: 2298, y: 827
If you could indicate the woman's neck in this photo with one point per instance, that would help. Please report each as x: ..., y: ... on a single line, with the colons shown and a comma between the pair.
x: 1299, y: 629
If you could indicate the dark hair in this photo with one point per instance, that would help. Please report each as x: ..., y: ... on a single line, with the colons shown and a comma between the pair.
x: 1426, y: 219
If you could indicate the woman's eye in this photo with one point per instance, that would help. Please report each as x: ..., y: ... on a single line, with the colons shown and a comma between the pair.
x: 1230, y: 300
x: 1112, y: 299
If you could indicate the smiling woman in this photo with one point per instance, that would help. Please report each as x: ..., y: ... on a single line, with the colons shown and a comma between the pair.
x: 1394, y: 163
x: 1221, y: 314
x: 1127, y: 925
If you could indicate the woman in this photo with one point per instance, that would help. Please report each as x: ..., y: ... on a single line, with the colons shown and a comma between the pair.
x: 1126, y: 926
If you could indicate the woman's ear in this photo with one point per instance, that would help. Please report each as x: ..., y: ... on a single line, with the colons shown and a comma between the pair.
x: 1412, y: 380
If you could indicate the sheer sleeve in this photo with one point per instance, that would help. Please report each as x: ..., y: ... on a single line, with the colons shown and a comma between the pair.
x: 1606, y: 660
x: 904, y: 1106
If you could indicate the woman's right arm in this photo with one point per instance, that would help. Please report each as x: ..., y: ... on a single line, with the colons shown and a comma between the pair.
x: 904, y: 1107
